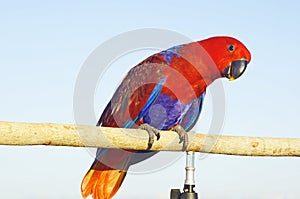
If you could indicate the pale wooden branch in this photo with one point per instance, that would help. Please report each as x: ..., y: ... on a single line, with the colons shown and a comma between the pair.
x: 20, y: 134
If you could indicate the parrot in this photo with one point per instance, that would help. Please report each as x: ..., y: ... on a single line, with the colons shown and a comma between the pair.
x: 164, y: 92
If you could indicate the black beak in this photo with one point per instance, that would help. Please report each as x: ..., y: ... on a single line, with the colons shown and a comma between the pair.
x: 236, y: 69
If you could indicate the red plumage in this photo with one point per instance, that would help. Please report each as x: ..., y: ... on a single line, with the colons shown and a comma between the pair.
x: 185, y: 71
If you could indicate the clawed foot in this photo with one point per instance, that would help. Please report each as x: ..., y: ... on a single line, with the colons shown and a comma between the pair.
x: 183, y: 136
x: 152, y: 133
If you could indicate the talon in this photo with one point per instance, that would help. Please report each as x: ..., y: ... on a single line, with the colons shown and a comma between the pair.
x: 151, y: 132
x: 183, y: 136
x: 158, y: 136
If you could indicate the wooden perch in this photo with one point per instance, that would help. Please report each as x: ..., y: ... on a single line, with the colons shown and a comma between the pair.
x: 20, y: 134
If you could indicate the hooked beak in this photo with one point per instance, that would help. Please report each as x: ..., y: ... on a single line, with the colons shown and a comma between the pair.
x: 235, y: 69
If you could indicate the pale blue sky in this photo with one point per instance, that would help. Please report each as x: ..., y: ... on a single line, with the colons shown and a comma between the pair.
x: 44, y: 44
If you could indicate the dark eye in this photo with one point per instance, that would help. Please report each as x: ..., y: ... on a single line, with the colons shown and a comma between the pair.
x: 231, y: 48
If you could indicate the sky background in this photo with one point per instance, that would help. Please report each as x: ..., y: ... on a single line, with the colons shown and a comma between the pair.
x: 44, y: 44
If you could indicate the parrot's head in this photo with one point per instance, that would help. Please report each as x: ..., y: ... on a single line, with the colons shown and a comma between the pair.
x: 229, y: 54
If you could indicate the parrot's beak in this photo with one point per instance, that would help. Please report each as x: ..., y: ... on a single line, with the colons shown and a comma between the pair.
x: 235, y: 69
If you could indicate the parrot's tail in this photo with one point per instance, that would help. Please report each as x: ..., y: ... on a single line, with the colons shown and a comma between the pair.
x: 101, y: 181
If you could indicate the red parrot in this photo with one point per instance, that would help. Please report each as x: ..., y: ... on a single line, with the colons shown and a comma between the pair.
x: 165, y: 91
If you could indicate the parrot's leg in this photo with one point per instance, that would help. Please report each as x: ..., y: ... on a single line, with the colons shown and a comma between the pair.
x: 183, y: 136
x: 152, y: 133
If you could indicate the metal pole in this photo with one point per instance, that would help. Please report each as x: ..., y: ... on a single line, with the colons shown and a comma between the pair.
x: 189, y: 183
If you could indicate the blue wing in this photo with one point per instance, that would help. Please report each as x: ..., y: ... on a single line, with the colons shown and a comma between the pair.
x: 192, y: 113
x: 150, y: 101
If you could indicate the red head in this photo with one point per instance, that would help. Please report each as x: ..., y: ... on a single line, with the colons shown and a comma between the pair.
x: 230, y: 55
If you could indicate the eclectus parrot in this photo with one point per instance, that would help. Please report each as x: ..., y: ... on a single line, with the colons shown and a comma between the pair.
x: 165, y: 92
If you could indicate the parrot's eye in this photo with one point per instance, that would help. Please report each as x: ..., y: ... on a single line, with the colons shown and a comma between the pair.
x: 231, y: 48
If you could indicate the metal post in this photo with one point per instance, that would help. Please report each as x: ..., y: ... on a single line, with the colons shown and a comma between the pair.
x: 189, y: 183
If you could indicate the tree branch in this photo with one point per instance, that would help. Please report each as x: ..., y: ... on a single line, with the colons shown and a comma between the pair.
x: 21, y: 134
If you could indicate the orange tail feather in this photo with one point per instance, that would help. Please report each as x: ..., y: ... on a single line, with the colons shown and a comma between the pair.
x: 101, y: 183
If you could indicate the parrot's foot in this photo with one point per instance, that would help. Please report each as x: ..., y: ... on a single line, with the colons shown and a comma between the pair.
x: 152, y: 133
x: 183, y: 136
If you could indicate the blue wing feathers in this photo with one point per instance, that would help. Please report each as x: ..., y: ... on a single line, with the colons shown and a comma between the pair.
x: 153, y: 96
x: 191, y: 116
x: 169, y: 53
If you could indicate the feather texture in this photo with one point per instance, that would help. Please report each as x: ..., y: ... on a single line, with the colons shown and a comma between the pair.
x: 164, y: 90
